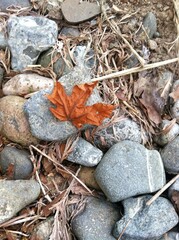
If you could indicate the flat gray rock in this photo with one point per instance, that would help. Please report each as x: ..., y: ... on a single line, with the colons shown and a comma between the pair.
x: 15, y: 195
x: 146, y: 222
x: 28, y: 37
x: 170, y: 156
x: 17, y: 3
x: 20, y: 159
x: 42, y: 123
x: 75, y: 11
x: 124, y: 129
x: 85, y: 153
x: 129, y: 169
x: 96, y: 221
x: 150, y: 24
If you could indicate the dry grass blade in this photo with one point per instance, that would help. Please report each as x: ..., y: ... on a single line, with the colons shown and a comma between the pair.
x: 63, y: 167
x: 162, y: 190
x: 176, y: 18
x: 135, y: 70
x: 118, y: 32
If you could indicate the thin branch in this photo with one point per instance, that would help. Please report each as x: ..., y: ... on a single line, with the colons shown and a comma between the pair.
x: 135, y: 70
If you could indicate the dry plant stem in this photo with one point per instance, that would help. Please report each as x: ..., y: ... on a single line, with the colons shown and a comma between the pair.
x: 148, y: 203
x: 63, y: 168
x: 135, y: 70
x: 176, y: 18
x: 118, y: 32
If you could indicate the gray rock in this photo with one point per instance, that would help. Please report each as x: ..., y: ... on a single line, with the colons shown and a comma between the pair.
x: 165, y: 138
x: 85, y: 153
x: 129, y: 169
x: 42, y: 123
x: 175, y: 110
x: 43, y: 230
x: 96, y: 221
x: 124, y: 129
x: 170, y: 156
x: 172, y: 188
x: 70, y: 32
x: 16, y: 195
x: 28, y: 37
x: 146, y: 222
x: 19, y: 158
x: 13, y: 122
x: 75, y: 12
x: 164, y: 78
x: 150, y: 24
x: 59, y: 65
x: 19, y: 3
x: 170, y: 236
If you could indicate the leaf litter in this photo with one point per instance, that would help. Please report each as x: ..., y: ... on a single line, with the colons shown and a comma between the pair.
x: 136, y: 95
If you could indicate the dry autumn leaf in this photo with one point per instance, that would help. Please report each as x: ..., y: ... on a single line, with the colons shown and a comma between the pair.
x: 72, y: 107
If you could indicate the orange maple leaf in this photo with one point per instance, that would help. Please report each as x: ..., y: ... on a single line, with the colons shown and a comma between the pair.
x: 72, y: 107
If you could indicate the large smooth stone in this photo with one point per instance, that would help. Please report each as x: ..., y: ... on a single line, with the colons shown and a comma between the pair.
x: 96, y: 221
x: 129, y: 169
x: 28, y: 37
x: 17, y: 3
x: 145, y: 222
x: 75, y: 11
x: 15, y: 195
x: 13, y: 122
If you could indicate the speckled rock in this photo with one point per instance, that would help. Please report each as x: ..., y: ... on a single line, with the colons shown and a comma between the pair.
x: 60, y: 67
x: 13, y: 122
x: 15, y: 195
x: 129, y: 169
x: 96, y: 221
x: 26, y: 83
x: 146, y: 222
x: 20, y: 159
x: 85, y: 153
x: 43, y: 230
x: 124, y: 129
x: 43, y: 124
x: 19, y: 3
x: 28, y: 37
x: 170, y: 156
x: 164, y: 138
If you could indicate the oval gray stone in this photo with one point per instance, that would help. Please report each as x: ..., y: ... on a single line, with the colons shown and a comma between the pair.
x: 96, y: 221
x: 20, y: 159
x: 170, y: 156
x: 129, y: 169
x: 15, y: 195
x: 17, y: 3
x: 146, y: 222
x: 28, y: 37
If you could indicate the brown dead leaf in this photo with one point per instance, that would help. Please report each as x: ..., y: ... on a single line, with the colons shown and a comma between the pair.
x: 72, y: 108
x: 175, y: 94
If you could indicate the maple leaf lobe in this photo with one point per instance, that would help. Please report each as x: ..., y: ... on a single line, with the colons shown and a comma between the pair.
x: 72, y: 107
